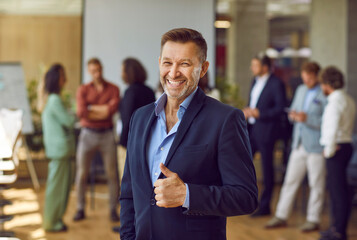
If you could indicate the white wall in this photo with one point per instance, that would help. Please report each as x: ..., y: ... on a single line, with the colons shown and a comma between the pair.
x: 116, y: 29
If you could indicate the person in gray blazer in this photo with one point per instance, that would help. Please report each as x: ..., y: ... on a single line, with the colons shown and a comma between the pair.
x: 306, y: 157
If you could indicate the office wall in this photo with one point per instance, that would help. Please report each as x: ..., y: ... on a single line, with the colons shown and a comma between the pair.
x: 116, y: 29
x: 42, y: 40
x: 328, y: 33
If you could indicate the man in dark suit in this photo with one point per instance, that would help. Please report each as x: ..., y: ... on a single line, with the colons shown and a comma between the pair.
x: 266, y: 106
x: 189, y: 162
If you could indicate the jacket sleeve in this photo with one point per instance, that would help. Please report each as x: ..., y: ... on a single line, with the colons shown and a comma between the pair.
x: 238, y: 193
x: 279, y: 99
x: 314, y: 121
x: 127, y: 211
x: 58, y: 110
x: 330, y: 122
x: 114, y: 101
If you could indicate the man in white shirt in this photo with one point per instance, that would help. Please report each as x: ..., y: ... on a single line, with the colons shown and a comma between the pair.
x: 336, y: 137
x: 306, y: 157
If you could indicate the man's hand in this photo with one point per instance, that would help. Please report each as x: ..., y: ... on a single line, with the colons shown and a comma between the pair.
x: 246, y: 112
x: 298, y: 116
x: 98, y: 112
x: 251, y: 112
x: 171, y: 191
x: 255, y: 113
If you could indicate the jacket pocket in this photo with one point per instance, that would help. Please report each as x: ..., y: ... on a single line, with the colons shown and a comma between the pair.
x: 193, y: 148
x: 205, y: 223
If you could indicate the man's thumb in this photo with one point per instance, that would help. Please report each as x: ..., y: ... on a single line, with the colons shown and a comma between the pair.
x: 166, y: 171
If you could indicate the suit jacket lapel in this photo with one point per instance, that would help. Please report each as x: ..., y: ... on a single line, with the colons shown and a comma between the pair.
x: 316, y: 97
x: 251, y: 88
x: 191, y: 112
x: 146, y: 136
x: 303, y: 96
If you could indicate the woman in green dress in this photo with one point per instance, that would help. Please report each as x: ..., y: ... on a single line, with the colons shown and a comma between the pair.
x: 59, y: 143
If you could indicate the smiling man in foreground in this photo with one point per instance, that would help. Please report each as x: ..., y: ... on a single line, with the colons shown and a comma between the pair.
x: 189, y: 162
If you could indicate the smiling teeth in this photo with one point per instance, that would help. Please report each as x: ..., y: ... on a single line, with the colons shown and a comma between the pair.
x: 175, y: 83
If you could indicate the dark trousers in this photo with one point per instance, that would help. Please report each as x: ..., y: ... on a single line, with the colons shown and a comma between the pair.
x: 266, y: 150
x: 340, y: 192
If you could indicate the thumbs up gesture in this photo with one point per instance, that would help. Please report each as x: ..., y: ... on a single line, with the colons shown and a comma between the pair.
x: 171, y: 191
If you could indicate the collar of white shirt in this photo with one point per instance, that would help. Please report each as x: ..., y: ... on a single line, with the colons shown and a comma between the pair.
x: 263, y: 78
x: 335, y: 94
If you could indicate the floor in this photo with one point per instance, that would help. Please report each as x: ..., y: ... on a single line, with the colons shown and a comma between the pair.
x: 27, y: 208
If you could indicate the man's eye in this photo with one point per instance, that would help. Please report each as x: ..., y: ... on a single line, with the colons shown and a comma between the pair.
x: 166, y: 63
x: 185, y: 64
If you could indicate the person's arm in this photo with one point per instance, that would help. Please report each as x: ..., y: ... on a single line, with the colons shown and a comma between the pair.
x: 99, y: 112
x: 239, y: 193
x: 60, y: 112
x: 114, y: 102
x: 314, y: 120
x: 279, y: 103
x: 82, y: 106
x: 330, y: 123
x: 127, y: 211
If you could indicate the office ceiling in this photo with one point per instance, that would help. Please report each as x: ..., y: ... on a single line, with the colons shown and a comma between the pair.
x: 41, y: 7
x: 275, y: 8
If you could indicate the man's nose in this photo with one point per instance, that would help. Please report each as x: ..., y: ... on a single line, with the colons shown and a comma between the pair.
x: 174, y: 71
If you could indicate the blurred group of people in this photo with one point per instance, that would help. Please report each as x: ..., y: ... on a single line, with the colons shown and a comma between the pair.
x: 97, y: 102
x: 321, y: 112
x: 323, y: 116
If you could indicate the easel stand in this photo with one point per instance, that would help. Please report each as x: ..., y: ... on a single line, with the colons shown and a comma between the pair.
x: 30, y: 165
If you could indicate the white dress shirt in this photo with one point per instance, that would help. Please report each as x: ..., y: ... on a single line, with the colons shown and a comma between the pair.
x: 337, y: 121
x: 257, y: 89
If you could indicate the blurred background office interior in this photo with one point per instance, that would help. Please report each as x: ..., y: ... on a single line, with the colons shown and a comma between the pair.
x: 34, y: 34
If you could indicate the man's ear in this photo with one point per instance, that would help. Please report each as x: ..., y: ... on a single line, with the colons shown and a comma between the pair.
x: 266, y: 69
x: 204, y: 68
x: 159, y: 60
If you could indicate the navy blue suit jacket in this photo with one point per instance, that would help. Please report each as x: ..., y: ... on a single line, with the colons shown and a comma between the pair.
x: 271, y: 105
x: 211, y: 153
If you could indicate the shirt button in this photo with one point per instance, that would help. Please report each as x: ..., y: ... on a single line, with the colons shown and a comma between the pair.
x: 156, y: 174
x: 152, y: 202
x: 162, y: 148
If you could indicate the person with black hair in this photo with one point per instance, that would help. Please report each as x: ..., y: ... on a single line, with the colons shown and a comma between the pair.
x: 57, y: 125
x: 265, y: 108
x: 136, y: 96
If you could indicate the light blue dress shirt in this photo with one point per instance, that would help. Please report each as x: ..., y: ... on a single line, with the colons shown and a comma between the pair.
x: 310, y: 95
x: 160, y: 141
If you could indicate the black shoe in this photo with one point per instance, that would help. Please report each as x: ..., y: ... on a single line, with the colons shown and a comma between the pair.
x: 114, y: 216
x: 331, y: 234
x: 116, y: 229
x: 327, y: 232
x: 260, y: 213
x: 64, y: 228
x: 79, y: 215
